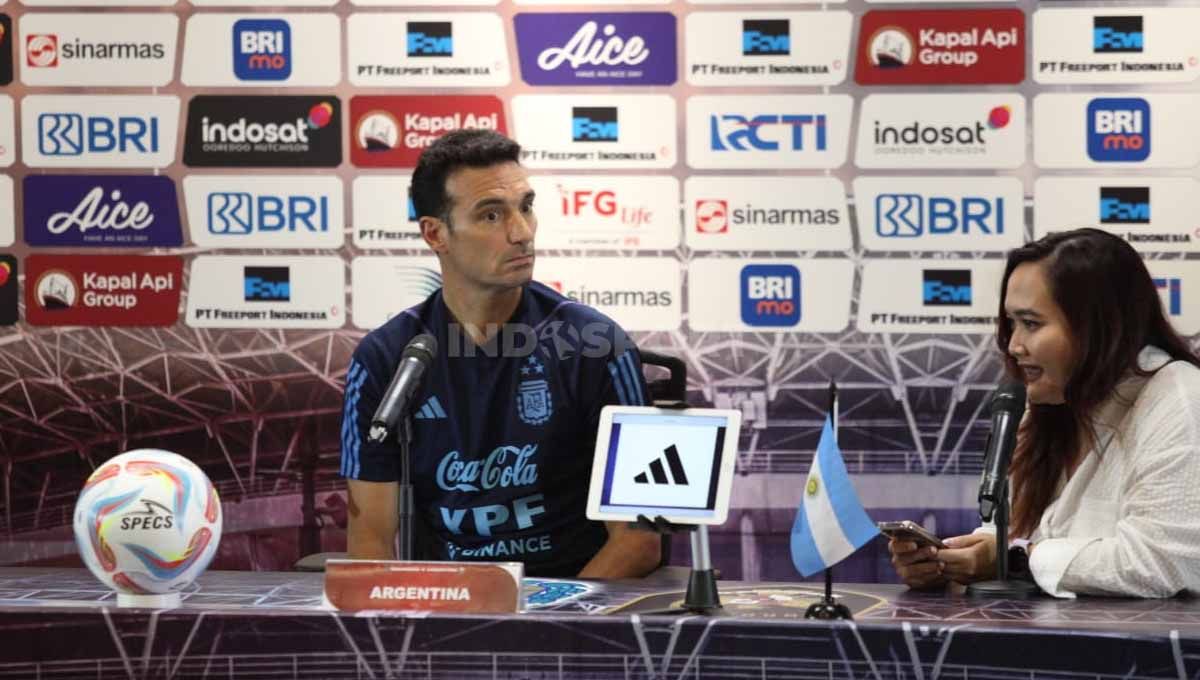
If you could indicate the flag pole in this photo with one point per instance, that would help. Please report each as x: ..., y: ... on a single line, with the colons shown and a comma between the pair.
x: 828, y: 608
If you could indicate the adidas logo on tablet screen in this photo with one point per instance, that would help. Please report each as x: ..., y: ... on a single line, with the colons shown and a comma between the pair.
x: 659, y: 474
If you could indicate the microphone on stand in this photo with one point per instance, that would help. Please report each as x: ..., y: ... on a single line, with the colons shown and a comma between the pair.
x: 1008, y: 405
x: 414, y: 362
x: 393, y: 408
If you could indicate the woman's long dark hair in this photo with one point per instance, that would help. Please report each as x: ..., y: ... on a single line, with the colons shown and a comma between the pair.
x: 1112, y: 310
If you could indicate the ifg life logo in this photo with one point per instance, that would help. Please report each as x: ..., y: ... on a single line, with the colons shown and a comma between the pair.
x: 1118, y: 129
x: 770, y: 295
x: 262, y: 49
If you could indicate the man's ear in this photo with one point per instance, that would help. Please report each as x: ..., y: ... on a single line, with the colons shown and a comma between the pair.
x: 434, y: 231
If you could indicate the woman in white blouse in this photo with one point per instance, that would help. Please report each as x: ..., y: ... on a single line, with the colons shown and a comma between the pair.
x: 1106, y: 476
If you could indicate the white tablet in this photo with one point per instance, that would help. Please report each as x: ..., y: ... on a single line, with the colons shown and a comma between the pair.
x: 677, y: 464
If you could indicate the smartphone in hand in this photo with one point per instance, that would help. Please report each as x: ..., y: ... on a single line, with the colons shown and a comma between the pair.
x: 907, y: 530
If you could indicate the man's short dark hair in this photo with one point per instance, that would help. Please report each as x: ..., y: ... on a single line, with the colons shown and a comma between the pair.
x: 469, y: 148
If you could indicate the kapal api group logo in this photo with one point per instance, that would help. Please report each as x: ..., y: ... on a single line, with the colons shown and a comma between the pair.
x: 938, y: 47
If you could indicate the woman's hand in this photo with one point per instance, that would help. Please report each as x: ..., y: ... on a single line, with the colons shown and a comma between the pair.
x: 917, y: 567
x: 969, y: 558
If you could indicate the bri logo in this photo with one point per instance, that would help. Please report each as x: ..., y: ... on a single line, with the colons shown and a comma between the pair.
x: 430, y: 39
x: 262, y: 49
x: 504, y: 467
x: 73, y: 134
x: 243, y: 213
x: 1118, y: 129
x: 594, y: 124
x: 914, y: 215
x: 770, y: 295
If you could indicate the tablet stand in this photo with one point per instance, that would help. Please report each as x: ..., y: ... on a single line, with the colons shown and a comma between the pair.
x: 701, y: 596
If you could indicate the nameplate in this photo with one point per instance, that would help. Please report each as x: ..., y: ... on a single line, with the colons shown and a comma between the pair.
x: 460, y: 587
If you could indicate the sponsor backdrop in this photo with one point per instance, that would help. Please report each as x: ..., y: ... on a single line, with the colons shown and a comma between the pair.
x: 206, y: 209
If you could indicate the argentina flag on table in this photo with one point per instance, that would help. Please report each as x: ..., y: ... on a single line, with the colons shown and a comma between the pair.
x: 830, y: 523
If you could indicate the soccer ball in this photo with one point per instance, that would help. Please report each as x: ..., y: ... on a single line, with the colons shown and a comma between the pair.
x: 148, y: 522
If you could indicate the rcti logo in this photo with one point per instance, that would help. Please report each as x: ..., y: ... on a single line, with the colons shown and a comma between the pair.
x: 766, y: 37
x: 732, y: 132
x: 947, y: 287
x: 240, y: 213
x: 262, y: 49
x: 1117, y: 34
x: 712, y: 216
x: 914, y: 215
x: 1173, y: 288
x: 430, y: 39
x: 1124, y: 205
x: 594, y: 124
x: 41, y: 50
x: 770, y: 295
x: 267, y: 284
x: 1118, y: 129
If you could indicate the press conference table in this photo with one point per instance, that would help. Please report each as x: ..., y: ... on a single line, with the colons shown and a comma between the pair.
x: 60, y: 623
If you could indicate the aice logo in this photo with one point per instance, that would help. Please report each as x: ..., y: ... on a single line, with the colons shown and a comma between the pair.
x: 101, y: 210
x: 770, y: 295
x: 41, y: 50
x: 658, y: 473
x: 1117, y: 34
x: 74, y: 134
x: 594, y: 124
x: 430, y: 39
x: 241, y: 213
x: 1171, y: 291
x: 733, y: 132
x: 712, y: 216
x: 608, y: 48
x: 946, y: 287
x: 1124, y: 205
x: 1118, y: 129
x: 267, y: 284
x: 769, y: 37
x: 262, y: 49
x: 914, y: 215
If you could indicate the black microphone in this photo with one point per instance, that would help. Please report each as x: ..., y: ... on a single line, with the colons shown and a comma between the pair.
x: 1008, y: 405
x: 413, y: 363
